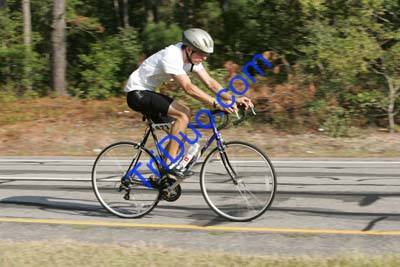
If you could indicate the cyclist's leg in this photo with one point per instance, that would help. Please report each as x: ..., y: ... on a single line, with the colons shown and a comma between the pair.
x: 150, y: 103
x: 181, y: 114
x: 154, y: 104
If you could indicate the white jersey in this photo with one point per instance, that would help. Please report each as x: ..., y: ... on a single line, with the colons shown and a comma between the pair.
x: 157, y: 69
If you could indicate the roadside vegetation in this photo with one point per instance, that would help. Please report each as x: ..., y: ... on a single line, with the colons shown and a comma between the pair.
x: 67, y: 253
x: 65, y: 126
x: 336, y: 63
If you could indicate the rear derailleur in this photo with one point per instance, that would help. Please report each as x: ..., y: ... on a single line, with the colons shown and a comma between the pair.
x: 125, y: 185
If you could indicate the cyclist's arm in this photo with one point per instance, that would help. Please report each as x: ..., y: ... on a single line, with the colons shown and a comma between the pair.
x: 194, y: 91
x: 212, y: 84
x: 215, y: 86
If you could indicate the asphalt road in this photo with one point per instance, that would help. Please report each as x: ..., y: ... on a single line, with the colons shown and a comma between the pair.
x: 323, y: 206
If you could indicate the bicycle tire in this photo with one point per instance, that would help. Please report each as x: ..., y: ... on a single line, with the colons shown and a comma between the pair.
x: 110, y: 167
x: 256, y: 181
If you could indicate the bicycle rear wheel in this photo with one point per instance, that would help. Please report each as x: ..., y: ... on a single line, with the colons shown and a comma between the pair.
x: 127, y: 198
x: 238, y: 183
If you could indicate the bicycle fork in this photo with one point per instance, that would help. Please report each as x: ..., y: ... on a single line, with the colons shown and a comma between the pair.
x: 225, y: 160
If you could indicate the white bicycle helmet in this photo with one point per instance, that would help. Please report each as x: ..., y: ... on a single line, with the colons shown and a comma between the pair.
x: 199, y: 40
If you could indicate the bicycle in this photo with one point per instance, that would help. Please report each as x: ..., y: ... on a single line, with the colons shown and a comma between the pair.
x: 237, y: 179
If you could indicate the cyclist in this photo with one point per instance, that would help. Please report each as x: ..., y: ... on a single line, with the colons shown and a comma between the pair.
x: 173, y: 62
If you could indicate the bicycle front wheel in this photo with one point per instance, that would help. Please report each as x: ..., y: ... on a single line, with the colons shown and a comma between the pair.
x: 238, y: 183
x: 126, y: 197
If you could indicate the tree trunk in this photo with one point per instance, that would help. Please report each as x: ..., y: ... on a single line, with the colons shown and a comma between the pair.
x: 3, y: 4
x: 393, y: 89
x: 152, y: 12
x: 58, y: 40
x: 156, y: 12
x: 116, y: 11
x: 224, y: 5
x: 391, y: 114
x: 26, y: 10
x: 185, y: 12
x: 126, y: 14
x: 149, y: 14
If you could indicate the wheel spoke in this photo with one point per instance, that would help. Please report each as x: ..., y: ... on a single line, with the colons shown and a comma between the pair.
x: 249, y: 193
x: 132, y: 198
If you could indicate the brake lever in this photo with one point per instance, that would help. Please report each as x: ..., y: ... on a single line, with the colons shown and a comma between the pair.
x: 243, y: 117
x: 237, y: 114
x: 252, y: 110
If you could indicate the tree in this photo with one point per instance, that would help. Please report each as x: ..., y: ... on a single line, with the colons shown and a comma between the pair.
x: 59, y: 49
x: 116, y: 11
x: 152, y: 10
x: 158, y: 35
x: 388, y: 65
x: 15, y: 58
x: 389, y: 68
x: 126, y: 14
x: 346, y: 44
x: 3, y: 4
x: 109, y: 62
x: 26, y: 10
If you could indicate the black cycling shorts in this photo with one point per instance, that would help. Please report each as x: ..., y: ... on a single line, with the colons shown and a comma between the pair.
x: 149, y: 103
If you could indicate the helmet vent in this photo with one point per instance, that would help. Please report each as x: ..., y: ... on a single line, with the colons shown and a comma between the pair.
x: 199, y: 40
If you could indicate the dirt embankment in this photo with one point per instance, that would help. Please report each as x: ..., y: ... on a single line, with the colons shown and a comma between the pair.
x: 64, y: 126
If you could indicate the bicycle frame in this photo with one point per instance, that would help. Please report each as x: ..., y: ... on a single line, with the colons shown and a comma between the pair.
x: 149, y: 130
x: 245, y: 196
x: 216, y: 136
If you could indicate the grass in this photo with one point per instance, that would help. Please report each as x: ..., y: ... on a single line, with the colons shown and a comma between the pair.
x: 57, y: 109
x: 68, y: 253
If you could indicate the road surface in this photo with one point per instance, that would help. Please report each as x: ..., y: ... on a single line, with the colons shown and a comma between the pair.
x: 322, y: 206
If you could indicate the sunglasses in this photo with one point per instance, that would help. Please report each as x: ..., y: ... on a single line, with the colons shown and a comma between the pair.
x: 202, y: 53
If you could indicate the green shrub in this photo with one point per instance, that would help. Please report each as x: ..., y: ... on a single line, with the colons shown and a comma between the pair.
x: 108, y: 63
x: 158, y: 35
x: 337, y: 123
x: 20, y: 68
x: 369, y: 105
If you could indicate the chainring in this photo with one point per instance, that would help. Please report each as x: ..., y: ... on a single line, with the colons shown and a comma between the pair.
x: 167, y: 194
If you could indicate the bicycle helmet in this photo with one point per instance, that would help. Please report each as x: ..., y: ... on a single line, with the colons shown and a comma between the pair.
x: 199, y: 40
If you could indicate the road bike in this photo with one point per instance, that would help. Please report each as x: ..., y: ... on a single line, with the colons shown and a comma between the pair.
x: 237, y: 180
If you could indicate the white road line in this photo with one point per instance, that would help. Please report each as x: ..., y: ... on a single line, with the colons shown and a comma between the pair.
x: 47, y: 160
x: 322, y: 162
x: 44, y: 178
x: 273, y: 161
